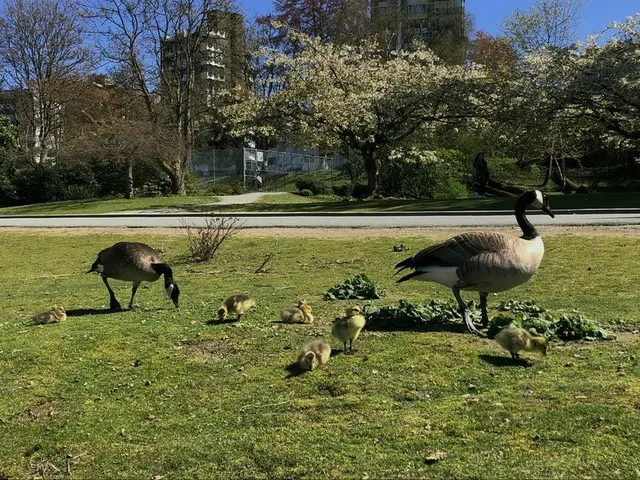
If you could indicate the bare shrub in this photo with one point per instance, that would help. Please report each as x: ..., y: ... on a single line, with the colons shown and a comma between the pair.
x: 203, y: 242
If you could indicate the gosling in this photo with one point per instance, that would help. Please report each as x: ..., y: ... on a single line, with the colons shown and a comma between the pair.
x: 314, y: 355
x: 53, y: 315
x: 515, y: 339
x: 236, y: 304
x: 299, y: 314
x: 348, y: 328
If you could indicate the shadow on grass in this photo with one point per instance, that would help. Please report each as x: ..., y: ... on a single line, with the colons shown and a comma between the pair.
x: 502, y: 361
x: 216, y: 321
x: 413, y: 327
x: 81, y: 312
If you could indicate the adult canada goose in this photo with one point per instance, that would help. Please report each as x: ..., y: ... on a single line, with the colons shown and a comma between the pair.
x: 314, y: 354
x: 348, y: 328
x: 235, y: 305
x: 485, y: 262
x: 515, y: 339
x: 137, y: 263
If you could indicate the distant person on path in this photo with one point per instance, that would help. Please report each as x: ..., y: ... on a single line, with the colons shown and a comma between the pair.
x: 259, y: 183
x: 481, y: 175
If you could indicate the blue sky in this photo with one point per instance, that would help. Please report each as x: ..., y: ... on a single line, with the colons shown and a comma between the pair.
x: 489, y: 14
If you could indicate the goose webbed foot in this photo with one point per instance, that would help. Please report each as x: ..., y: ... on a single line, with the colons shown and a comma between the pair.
x: 467, y: 320
x: 114, y: 304
x: 132, y: 307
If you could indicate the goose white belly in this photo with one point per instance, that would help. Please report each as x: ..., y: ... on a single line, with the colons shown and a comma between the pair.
x: 447, y: 276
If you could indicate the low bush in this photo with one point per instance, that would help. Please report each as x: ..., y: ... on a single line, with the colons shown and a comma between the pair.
x: 416, y: 173
x: 306, y: 192
x: 359, y: 287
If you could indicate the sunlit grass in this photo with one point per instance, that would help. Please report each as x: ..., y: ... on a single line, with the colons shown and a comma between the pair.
x: 160, y: 392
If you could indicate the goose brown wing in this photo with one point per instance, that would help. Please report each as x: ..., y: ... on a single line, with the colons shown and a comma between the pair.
x: 457, y: 250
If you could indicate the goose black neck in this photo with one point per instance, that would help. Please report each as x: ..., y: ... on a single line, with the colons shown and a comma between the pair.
x: 164, y: 269
x: 529, y: 232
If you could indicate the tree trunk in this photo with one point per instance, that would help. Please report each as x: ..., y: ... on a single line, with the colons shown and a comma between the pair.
x: 129, y: 192
x: 372, y: 167
x: 178, y: 186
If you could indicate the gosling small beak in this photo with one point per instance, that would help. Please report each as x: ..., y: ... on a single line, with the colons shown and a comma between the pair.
x: 548, y: 211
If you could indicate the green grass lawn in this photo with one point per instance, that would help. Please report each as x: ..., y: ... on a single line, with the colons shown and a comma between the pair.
x: 108, y: 205
x: 160, y: 393
x: 289, y: 202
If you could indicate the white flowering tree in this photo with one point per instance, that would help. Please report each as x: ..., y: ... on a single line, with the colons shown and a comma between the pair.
x: 355, y: 97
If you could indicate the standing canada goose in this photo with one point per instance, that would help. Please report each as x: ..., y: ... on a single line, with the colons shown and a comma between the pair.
x: 53, y: 315
x: 235, y: 304
x: 314, y: 355
x: 348, y: 328
x: 137, y: 263
x: 515, y: 339
x: 299, y: 314
x: 485, y: 262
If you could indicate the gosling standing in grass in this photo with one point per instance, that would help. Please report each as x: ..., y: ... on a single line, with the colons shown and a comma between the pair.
x: 299, y: 314
x: 348, y: 328
x: 515, y: 339
x: 53, y: 315
x: 314, y: 355
x: 236, y: 305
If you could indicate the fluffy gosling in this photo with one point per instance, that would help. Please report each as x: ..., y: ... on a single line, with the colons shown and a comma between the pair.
x: 515, y: 339
x: 348, y: 328
x: 53, y: 315
x: 299, y: 314
x: 236, y: 305
x: 314, y: 355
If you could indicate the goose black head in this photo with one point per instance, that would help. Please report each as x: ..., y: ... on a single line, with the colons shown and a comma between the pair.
x: 173, y: 292
x: 539, y: 200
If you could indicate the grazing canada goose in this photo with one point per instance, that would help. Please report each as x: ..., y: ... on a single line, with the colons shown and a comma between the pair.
x: 236, y: 304
x: 299, y: 314
x: 53, y: 315
x: 485, y: 262
x: 515, y: 339
x: 314, y: 355
x: 137, y: 263
x: 348, y: 328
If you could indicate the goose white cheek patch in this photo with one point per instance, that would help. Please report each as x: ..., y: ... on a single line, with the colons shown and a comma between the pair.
x: 539, y: 201
x: 100, y: 268
x: 169, y: 290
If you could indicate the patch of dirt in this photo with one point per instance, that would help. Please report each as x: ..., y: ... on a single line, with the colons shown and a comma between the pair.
x: 212, y: 350
x: 41, y: 411
x: 339, y: 233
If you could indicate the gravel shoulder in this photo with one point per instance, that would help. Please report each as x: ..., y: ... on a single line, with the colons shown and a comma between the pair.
x: 338, y: 233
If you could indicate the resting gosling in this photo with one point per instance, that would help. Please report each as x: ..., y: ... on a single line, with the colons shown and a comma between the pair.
x: 515, y: 339
x: 300, y: 314
x: 53, y: 315
x: 133, y: 262
x: 236, y: 304
x: 348, y: 328
x: 314, y: 355
x: 485, y: 262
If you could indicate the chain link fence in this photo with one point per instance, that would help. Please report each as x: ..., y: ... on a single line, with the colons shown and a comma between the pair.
x: 249, y: 166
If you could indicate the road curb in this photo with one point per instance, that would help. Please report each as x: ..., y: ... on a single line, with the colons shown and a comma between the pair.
x: 187, y: 214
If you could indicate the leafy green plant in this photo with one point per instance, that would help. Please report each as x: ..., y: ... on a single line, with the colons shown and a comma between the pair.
x: 536, y: 319
x: 359, y: 287
x: 415, y: 315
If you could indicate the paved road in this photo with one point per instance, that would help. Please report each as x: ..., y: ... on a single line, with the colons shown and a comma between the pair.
x: 403, y: 220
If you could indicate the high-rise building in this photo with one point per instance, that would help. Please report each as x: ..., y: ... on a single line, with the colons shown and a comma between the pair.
x: 433, y: 21
x: 220, y: 61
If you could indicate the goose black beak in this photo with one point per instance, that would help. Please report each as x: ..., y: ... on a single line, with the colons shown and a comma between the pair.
x: 548, y: 211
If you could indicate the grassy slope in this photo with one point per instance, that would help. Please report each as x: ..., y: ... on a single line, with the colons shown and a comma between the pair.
x: 289, y: 202
x: 73, y: 399
x: 107, y: 206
